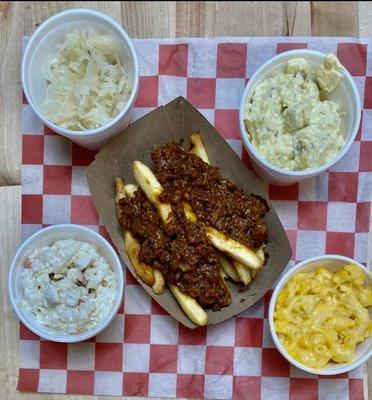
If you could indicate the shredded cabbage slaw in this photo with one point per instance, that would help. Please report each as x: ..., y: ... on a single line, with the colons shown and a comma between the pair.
x: 87, y: 84
x: 69, y: 286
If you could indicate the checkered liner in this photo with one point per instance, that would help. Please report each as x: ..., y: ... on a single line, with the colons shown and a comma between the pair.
x: 145, y: 351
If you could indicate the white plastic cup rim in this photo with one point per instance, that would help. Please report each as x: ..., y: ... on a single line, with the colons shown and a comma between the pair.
x: 89, y: 132
x: 243, y: 132
x: 278, y: 288
x: 38, y: 328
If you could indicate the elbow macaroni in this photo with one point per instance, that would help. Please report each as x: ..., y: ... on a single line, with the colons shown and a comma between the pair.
x: 321, y: 316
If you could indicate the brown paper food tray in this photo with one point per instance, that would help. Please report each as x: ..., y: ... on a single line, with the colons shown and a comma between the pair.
x: 175, y: 122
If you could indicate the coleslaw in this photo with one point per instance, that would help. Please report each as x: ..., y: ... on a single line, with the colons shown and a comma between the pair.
x: 88, y: 85
x: 69, y: 286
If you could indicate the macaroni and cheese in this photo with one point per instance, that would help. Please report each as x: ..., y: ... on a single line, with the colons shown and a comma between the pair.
x: 321, y: 316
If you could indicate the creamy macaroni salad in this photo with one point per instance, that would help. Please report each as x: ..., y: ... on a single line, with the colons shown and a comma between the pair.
x: 288, y: 119
x: 69, y: 286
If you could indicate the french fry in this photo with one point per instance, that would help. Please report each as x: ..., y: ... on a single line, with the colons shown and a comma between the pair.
x: 243, y: 272
x: 198, y: 148
x: 144, y: 271
x: 130, y: 189
x: 229, y: 269
x: 131, y: 245
x: 261, y: 254
x: 223, y: 278
x: 248, y: 274
x: 159, y: 284
x: 190, y: 215
x: 152, y: 188
x: 223, y: 274
x: 190, y: 307
x: 233, y: 248
x: 253, y: 273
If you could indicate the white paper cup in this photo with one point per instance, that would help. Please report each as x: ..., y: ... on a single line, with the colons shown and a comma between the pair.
x: 332, y: 262
x: 46, y: 237
x: 346, y: 95
x: 41, y: 49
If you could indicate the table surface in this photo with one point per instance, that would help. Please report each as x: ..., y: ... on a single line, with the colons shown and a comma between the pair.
x: 141, y: 20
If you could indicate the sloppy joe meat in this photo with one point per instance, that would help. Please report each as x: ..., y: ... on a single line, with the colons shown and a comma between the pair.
x: 216, y: 201
x: 180, y: 249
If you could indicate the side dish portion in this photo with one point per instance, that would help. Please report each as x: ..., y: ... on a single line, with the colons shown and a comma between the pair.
x: 182, y: 218
x: 320, y: 316
x: 288, y: 119
x: 88, y: 85
x: 69, y: 286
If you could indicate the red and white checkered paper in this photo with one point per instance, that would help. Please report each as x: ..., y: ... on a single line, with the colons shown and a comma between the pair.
x: 145, y: 351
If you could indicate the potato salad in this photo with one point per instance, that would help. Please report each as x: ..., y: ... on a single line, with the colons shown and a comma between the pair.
x: 288, y: 119
x: 69, y: 286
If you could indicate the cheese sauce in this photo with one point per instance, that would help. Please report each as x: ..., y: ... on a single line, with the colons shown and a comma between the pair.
x: 288, y: 120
